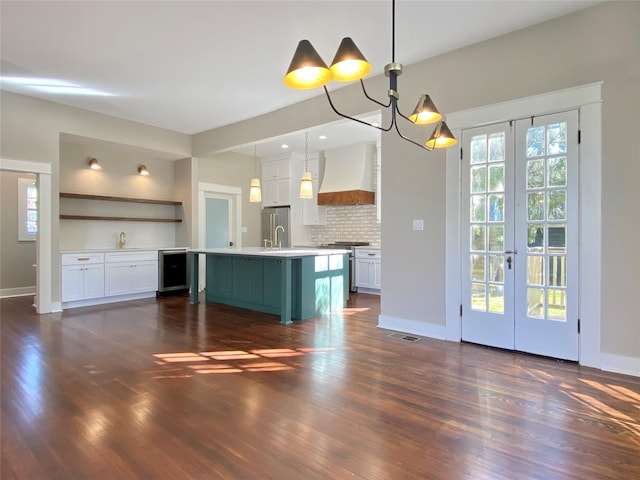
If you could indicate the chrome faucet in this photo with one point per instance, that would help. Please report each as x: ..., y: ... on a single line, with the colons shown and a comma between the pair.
x: 275, y: 236
x: 123, y: 240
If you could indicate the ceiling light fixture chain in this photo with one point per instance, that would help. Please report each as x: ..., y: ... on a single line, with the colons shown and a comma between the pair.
x: 307, y: 70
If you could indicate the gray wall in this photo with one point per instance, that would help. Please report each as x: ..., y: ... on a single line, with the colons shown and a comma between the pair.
x: 16, y: 258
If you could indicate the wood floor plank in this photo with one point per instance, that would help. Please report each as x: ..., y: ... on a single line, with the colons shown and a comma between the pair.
x: 160, y: 388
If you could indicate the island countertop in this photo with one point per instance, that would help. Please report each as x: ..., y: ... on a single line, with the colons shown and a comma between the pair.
x: 270, y: 252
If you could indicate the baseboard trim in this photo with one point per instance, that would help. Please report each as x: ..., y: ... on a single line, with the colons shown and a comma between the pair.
x: 620, y: 364
x: 102, y: 300
x: 411, y: 326
x: 17, y: 292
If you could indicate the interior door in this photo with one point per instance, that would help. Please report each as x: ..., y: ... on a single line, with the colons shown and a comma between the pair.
x: 218, y: 214
x: 520, y: 235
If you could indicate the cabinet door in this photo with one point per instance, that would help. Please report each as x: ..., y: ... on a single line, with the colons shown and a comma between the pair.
x: 93, y: 281
x: 276, y: 193
x: 146, y: 277
x: 247, y: 279
x: 72, y: 283
x: 363, y: 275
x: 119, y: 279
x: 376, y: 266
x: 272, y: 274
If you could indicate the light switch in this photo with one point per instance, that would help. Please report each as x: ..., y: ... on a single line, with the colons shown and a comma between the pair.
x: 245, y: 229
x: 418, y: 224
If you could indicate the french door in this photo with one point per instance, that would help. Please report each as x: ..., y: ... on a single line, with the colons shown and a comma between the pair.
x: 520, y: 235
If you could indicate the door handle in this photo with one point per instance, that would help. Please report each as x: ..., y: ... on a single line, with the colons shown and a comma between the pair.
x: 509, y: 262
x: 509, y: 252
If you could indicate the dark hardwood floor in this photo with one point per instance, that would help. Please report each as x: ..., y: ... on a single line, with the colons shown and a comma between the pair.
x: 161, y: 389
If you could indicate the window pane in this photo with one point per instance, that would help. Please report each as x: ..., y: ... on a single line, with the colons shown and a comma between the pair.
x: 478, y: 297
x: 496, y: 178
x: 557, y: 305
x: 477, y: 238
x: 496, y: 208
x: 478, y: 209
x: 479, y: 149
x: 478, y: 267
x: 535, y: 302
x: 535, y: 141
x: 557, y: 271
x: 557, y: 205
x: 496, y: 299
x: 496, y: 238
x: 496, y: 268
x: 535, y: 238
x: 557, y: 137
x: 535, y: 174
x: 535, y: 270
x: 496, y: 147
x: 478, y: 179
x: 557, y: 238
x: 535, y: 204
x: 557, y: 172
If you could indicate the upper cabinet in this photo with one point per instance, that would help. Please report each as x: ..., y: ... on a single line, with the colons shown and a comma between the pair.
x: 276, y: 182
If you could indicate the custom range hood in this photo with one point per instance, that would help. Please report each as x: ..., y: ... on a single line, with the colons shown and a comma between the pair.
x: 348, y: 175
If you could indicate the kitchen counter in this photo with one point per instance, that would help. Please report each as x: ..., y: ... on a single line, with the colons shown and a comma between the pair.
x: 295, y: 283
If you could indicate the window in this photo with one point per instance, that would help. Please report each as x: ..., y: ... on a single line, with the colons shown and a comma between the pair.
x: 27, y: 209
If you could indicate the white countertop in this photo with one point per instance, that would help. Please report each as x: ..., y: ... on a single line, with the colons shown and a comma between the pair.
x: 125, y: 249
x: 262, y: 252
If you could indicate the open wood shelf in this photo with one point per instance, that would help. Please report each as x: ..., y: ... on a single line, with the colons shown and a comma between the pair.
x: 120, y: 219
x: 110, y: 198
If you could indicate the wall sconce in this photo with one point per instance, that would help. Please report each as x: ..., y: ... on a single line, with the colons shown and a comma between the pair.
x: 142, y: 170
x: 93, y: 164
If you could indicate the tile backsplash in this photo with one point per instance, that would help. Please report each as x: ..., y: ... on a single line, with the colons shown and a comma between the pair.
x: 357, y: 223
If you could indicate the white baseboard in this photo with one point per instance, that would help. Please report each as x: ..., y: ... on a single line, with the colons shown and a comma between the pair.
x: 17, y: 292
x: 411, y: 326
x: 620, y: 364
x: 102, y: 300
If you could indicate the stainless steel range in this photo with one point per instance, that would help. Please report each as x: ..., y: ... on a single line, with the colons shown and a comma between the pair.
x: 351, y: 246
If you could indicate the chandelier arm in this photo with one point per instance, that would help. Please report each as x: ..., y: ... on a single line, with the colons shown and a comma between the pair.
x: 373, y: 99
x: 424, y: 147
x: 356, y: 119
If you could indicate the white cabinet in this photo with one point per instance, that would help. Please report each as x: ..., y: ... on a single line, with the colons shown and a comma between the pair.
x: 82, y: 276
x: 276, y: 182
x: 368, y: 268
x: 312, y: 213
x: 131, y: 272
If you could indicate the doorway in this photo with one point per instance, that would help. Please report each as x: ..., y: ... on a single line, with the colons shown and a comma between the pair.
x: 519, y: 255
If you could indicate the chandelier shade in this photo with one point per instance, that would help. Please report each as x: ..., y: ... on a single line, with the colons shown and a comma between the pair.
x: 307, y: 69
x: 441, y: 138
x: 349, y: 63
x: 425, y: 111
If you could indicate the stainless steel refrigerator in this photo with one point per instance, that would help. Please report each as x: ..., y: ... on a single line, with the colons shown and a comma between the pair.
x: 272, y: 219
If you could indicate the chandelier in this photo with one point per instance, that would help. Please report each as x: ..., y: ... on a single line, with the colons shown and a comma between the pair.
x: 307, y: 70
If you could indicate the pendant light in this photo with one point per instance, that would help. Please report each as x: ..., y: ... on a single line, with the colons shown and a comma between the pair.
x: 307, y: 70
x: 255, y: 192
x: 306, y: 184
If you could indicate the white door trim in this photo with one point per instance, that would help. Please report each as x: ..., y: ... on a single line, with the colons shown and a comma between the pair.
x: 44, y: 303
x: 587, y: 99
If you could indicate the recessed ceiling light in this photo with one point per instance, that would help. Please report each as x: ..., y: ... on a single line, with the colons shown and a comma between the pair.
x: 322, y: 137
x: 284, y: 145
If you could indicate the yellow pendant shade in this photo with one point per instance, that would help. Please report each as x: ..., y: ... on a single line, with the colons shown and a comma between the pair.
x: 307, y: 69
x: 425, y: 111
x: 349, y: 63
x: 441, y: 138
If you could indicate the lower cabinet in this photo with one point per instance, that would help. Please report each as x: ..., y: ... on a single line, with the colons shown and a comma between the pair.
x: 368, y: 268
x: 130, y: 272
x: 82, y: 276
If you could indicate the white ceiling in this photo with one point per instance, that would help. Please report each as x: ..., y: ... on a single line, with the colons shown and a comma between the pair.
x: 191, y: 66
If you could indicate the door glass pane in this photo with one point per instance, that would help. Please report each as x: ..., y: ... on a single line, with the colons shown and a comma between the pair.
x: 496, y: 178
x: 535, y: 270
x: 496, y: 268
x: 535, y: 204
x: 557, y: 271
x: 535, y: 141
x: 478, y: 238
x: 478, y: 179
x: 557, y: 305
x: 557, y: 205
x: 557, y: 172
x: 496, y: 238
x: 557, y: 137
x: 557, y: 238
x: 535, y: 302
x: 478, y: 297
x: 479, y: 149
x: 535, y: 174
x: 535, y: 242
x: 478, y: 210
x: 496, y: 299
x: 496, y: 147
x: 477, y: 267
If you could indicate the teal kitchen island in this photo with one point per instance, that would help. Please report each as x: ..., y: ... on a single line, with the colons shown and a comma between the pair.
x: 293, y: 283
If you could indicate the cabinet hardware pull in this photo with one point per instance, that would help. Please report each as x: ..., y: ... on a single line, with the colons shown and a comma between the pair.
x: 371, y: 254
x: 83, y: 258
